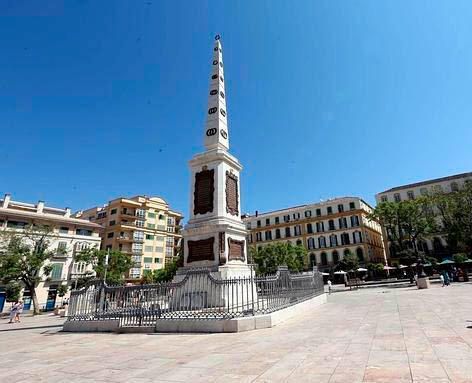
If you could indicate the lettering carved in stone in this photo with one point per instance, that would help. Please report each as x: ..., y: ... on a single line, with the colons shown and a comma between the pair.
x: 201, y: 250
x: 236, y: 250
x: 204, y: 190
x: 232, y: 197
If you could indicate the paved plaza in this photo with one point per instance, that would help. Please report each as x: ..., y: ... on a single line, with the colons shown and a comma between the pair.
x: 371, y: 335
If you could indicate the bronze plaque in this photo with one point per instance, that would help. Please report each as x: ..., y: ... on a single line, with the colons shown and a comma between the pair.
x: 201, y: 250
x: 232, y: 198
x: 235, y: 250
x: 204, y: 190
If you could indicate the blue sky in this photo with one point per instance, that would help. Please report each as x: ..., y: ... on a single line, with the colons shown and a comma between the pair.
x: 100, y: 99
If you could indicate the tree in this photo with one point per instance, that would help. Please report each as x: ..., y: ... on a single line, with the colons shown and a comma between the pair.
x: 350, y: 262
x: 270, y: 257
x: 25, y: 257
x: 13, y: 290
x: 405, y: 222
x: 455, y: 211
x: 459, y: 258
x: 165, y: 274
x: 62, y: 290
x: 118, y: 266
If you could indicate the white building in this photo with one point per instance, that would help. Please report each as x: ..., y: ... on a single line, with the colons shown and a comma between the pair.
x: 69, y: 236
x: 435, y: 245
x: 328, y: 230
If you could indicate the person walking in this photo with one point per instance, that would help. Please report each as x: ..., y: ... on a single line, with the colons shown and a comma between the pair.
x: 13, y: 312
x: 19, y: 311
x: 446, y: 278
x: 441, y: 277
x: 329, y: 286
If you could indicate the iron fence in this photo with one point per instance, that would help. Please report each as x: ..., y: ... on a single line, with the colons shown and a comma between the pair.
x: 198, y: 295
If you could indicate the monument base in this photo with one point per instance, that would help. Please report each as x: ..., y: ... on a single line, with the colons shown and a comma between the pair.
x: 423, y: 283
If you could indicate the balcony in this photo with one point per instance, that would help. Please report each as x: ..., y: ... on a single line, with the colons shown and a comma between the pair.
x: 125, y: 238
x: 60, y: 253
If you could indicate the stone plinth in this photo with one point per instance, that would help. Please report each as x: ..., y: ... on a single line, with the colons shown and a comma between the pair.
x: 423, y: 283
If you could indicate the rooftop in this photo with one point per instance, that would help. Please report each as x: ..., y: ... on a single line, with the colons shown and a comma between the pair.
x: 429, y: 182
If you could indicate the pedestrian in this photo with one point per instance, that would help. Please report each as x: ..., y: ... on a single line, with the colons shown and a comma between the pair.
x: 446, y: 279
x: 13, y: 311
x: 329, y: 286
x: 19, y: 311
x: 441, y: 277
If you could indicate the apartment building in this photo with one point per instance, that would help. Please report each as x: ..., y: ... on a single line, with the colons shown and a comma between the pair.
x: 69, y: 235
x: 435, y: 245
x: 143, y: 227
x: 328, y: 230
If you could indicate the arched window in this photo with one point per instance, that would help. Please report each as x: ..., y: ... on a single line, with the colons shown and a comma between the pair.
x: 357, y: 237
x: 335, y: 256
x: 324, y: 259
x: 333, y: 240
x: 312, y: 259
x: 331, y: 225
x: 360, y: 254
x: 311, y: 243
x: 321, y: 242
x: 299, y: 242
x: 347, y: 252
x: 345, y: 239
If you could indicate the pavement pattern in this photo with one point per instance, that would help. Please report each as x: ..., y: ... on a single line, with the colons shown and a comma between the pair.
x: 371, y: 335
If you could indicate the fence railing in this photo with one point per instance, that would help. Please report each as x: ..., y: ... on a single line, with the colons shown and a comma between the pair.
x: 198, y: 295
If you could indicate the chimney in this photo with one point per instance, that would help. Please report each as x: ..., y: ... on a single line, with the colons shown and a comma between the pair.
x: 67, y: 213
x: 40, y: 207
x: 6, y: 200
x: 257, y: 213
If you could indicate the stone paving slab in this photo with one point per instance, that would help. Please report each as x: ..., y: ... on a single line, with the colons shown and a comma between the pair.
x: 371, y: 335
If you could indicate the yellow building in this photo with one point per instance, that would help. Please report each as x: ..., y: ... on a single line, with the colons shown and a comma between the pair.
x: 143, y: 227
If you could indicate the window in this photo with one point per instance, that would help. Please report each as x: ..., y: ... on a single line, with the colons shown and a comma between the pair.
x: 318, y: 212
x: 259, y: 223
x: 308, y: 213
x: 83, y: 232
x: 148, y: 249
x: 340, y: 208
x: 171, y: 221
x: 157, y: 260
x: 333, y: 240
x: 151, y: 215
x: 56, y: 272
x: 147, y: 259
x: 149, y: 236
x: 138, y: 235
x: 296, y: 216
x: 347, y: 252
x: 250, y: 238
x: 342, y: 223
x: 112, y: 223
x: 259, y: 237
x: 312, y: 259
x: 311, y: 243
x: 141, y: 213
x: 110, y: 235
x: 287, y: 232
x: 277, y: 220
x: 360, y: 254
x: 331, y: 225
x: 410, y: 194
x: 384, y: 198
x: 330, y: 210
x: 267, y: 221
x: 396, y: 197
x: 62, y: 247
x: 139, y: 223
x: 345, y: 239
x: 277, y: 233
x: 268, y: 235
x: 162, y: 217
x: 248, y: 225
x: 321, y: 242
x: 151, y: 225
x: 319, y: 227
x: 298, y: 230
x: 170, y: 241
x: 454, y: 187
x: 16, y: 224
x: 309, y: 228
x: 64, y: 230
x: 113, y: 211
x: 324, y: 259
x: 286, y: 218
x: 101, y: 215
x: 335, y: 256
x: 357, y: 237
x: 352, y: 205
x: 354, y: 221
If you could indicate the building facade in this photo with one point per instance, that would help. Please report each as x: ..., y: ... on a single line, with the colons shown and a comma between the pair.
x: 328, y: 230
x: 435, y: 245
x: 69, y: 235
x: 143, y: 227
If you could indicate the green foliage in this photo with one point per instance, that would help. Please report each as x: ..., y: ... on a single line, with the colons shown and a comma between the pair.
x: 460, y: 257
x: 24, y: 257
x: 119, y: 264
x: 62, y: 290
x: 375, y: 267
x: 270, y: 257
x: 161, y: 275
x: 350, y: 262
x: 13, y: 290
x: 405, y: 222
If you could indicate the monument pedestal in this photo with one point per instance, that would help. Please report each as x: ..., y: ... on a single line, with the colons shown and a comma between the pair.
x: 423, y: 283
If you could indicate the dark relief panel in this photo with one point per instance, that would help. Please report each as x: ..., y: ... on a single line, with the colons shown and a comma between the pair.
x: 232, y: 198
x: 203, y: 194
x: 201, y: 250
x: 235, y: 250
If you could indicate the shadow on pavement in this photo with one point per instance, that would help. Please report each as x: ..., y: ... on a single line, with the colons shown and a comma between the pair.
x: 29, y: 328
